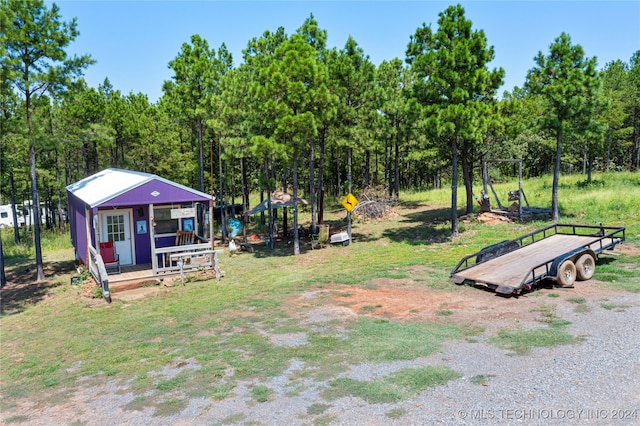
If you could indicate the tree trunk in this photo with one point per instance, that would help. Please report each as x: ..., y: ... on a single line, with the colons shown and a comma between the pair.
x: 221, y: 195
x: 387, y: 169
x: 34, y: 191
x: 312, y: 185
x: 468, y: 182
x: 454, y: 188
x: 607, y: 160
x: 296, y: 234
x: 272, y: 213
x: 366, y: 182
x: 396, y: 170
x: 200, y: 156
x: 338, y: 186
x: 349, y: 180
x: 245, y: 198
x: 16, y: 229
x: 285, y: 223
x: 376, y: 171
x: 96, y: 157
x: 3, y: 277
x: 556, y: 176
x: 36, y: 213
x: 321, y: 177
x: 61, y: 224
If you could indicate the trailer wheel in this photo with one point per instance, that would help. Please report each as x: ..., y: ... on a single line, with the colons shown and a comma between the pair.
x: 585, y: 267
x: 567, y: 274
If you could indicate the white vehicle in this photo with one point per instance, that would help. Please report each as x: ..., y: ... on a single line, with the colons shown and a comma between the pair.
x: 27, y: 211
x: 6, y: 216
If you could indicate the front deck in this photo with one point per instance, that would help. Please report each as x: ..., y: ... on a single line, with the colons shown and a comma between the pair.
x: 169, y: 262
x: 134, y: 272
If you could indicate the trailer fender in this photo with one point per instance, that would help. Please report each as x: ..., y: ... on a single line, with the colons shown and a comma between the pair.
x: 573, y: 255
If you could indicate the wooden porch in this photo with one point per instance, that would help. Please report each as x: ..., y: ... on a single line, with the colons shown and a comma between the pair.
x: 188, y: 258
x: 134, y: 272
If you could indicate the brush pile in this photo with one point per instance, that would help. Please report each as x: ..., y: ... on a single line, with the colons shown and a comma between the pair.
x: 375, y: 203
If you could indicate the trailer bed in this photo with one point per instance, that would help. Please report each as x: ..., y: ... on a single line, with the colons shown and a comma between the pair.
x: 513, y: 265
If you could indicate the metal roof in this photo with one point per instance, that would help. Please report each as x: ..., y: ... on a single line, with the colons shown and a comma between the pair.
x: 103, y: 186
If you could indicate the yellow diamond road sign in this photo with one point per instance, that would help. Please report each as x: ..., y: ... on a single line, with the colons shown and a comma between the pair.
x: 349, y: 202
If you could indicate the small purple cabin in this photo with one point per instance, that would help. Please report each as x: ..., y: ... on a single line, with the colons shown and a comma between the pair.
x: 139, y: 212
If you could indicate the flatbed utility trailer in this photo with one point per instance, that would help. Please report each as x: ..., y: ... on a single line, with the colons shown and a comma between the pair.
x: 563, y: 253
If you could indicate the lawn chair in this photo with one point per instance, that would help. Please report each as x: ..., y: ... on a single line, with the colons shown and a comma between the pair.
x: 321, y: 238
x: 110, y: 258
x: 183, y: 238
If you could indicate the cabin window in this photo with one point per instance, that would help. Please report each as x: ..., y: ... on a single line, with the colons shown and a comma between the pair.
x: 163, y: 222
x: 115, y: 228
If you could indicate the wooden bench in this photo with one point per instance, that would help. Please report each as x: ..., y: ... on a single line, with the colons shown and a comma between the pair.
x: 179, y: 258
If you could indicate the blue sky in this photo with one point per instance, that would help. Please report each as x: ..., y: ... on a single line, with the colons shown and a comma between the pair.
x: 133, y: 41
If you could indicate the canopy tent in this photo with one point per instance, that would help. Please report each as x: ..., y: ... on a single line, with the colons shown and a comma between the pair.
x: 278, y: 200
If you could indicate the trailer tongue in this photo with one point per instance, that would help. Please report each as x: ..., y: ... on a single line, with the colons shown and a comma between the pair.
x: 560, y: 252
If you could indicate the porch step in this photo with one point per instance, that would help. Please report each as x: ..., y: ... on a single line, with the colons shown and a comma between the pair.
x: 132, y: 285
x: 139, y: 293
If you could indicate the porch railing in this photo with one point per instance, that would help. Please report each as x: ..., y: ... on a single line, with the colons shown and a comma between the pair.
x: 193, y: 256
x: 99, y: 272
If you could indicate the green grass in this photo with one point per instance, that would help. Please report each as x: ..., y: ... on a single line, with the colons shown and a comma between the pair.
x: 521, y: 341
x: 17, y: 254
x: 396, y: 413
x: 614, y: 307
x: 53, y: 342
x: 382, y: 340
x: 169, y: 407
x: 261, y: 393
x: 315, y: 409
x: 396, y: 387
x: 481, y: 379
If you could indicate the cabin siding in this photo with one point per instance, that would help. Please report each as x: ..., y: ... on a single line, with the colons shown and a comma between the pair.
x: 143, y: 195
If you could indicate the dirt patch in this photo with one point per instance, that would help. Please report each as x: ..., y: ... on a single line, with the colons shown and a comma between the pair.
x: 628, y: 249
x: 23, y: 288
x: 406, y: 300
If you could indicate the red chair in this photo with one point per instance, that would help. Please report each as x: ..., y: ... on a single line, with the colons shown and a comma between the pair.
x: 110, y: 258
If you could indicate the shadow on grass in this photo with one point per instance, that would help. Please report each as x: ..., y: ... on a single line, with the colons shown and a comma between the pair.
x: 417, y: 228
x: 284, y: 245
x: 22, y: 289
x: 424, y: 227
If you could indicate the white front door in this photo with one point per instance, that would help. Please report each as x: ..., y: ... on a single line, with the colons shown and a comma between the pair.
x: 116, y: 227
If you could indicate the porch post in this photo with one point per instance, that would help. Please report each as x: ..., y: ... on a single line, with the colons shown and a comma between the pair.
x: 152, y: 240
x: 211, y: 224
x: 97, y: 232
x: 88, y: 217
